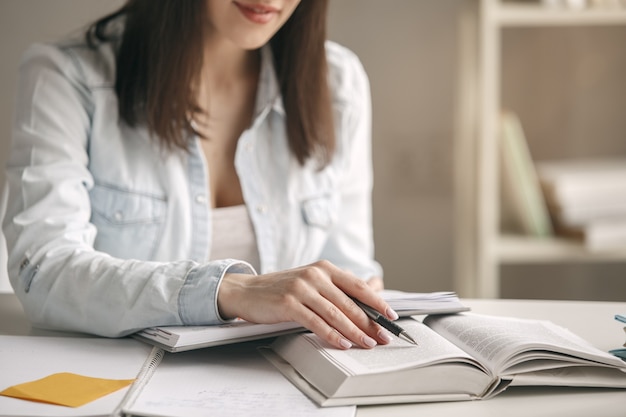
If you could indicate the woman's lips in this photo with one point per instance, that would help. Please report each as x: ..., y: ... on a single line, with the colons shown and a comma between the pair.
x: 257, y: 13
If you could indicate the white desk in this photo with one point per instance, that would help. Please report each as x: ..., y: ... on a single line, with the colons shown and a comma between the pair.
x: 591, y: 320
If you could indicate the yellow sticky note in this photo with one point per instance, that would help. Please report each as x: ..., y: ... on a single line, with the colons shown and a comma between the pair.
x: 65, y: 388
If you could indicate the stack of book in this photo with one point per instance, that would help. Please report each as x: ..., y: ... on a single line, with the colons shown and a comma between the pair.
x: 586, y: 199
x: 620, y: 352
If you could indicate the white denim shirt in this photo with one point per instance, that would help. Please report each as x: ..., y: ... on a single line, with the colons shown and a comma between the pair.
x: 108, y: 233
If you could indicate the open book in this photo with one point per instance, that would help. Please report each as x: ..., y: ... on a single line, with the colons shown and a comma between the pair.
x: 459, y: 357
x: 182, y: 338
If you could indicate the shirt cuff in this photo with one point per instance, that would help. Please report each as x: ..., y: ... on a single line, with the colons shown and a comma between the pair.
x: 201, y: 287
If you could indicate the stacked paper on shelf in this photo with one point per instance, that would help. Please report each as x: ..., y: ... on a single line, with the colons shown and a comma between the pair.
x: 587, y: 199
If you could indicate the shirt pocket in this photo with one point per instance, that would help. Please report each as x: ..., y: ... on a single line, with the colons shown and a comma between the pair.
x: 319, y: 216
x: 129, y: 223
x: 320, y: 211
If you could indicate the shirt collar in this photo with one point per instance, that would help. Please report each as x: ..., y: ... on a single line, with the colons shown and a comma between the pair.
x: 268, y: 92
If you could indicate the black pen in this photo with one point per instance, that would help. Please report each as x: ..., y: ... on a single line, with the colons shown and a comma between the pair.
x: 385, y: 322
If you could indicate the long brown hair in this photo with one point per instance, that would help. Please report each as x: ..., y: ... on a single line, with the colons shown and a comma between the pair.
x: 159, y: 60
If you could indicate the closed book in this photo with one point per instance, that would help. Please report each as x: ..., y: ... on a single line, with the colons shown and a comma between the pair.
x: 523, y: 205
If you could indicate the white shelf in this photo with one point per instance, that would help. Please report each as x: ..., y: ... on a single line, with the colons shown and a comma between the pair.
x: 481, y: 249
x: 513, y: 15
x: 518, y: 249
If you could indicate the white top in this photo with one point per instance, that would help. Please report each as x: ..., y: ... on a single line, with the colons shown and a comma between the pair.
x: 233, y: 235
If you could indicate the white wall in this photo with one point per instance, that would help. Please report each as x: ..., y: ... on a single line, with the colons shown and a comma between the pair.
x: 409, y: 50
x: 23, y: 22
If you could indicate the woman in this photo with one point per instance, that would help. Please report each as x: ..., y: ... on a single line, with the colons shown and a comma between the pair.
x: 181, y: 147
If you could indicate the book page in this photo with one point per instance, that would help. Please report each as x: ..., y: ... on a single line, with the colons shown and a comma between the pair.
x: 577, y: 376
x: 504, y: 343
x: 399, y: 354
x: 229, y: 380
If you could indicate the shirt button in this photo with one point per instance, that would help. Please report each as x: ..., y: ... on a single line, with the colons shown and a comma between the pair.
x: 200, y: 199
x: 261, y: 208
x: 118, y: 215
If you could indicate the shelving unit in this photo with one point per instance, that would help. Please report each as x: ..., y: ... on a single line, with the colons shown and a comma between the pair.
x: 481, y: 249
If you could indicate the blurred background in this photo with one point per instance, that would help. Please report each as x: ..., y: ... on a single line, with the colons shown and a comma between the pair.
x: 566, y: 84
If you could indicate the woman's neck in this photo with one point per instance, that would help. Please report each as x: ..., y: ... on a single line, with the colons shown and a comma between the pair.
x: 225, y: 64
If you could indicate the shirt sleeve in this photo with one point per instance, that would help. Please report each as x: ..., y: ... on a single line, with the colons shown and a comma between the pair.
x: 351, y: 244
x: 62, y: 282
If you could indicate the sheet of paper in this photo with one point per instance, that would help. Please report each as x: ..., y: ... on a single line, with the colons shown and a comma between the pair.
x: 231, y: 380
x: 66, y: 388
x: 28, y: 358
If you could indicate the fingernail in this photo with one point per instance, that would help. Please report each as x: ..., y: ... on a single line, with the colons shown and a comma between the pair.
x: 345, y: 343
x: 391, y: 314
x: 369, y: 342
x: 384, y: 335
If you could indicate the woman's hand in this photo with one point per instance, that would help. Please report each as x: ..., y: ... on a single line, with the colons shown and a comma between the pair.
x: 316, y: 296
x: 376, y: 283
